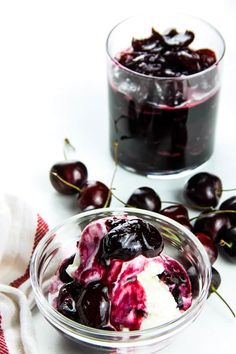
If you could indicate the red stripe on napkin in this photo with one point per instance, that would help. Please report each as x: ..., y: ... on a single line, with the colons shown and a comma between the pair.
x: 42, y: 228
x: 3, y: 345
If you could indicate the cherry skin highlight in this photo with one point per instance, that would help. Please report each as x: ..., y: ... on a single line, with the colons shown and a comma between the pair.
x: 93, y: 195
x: 145, y: 198
x: 130, y: 239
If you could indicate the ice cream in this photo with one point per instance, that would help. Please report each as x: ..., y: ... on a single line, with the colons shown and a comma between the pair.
x: 119, y: 279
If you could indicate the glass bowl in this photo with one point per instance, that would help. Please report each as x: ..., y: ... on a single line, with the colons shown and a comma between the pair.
x: 60, y: 243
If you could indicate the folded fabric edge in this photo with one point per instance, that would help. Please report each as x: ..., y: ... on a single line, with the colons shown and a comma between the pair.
x: 26, y: 331
x: 41, y: 230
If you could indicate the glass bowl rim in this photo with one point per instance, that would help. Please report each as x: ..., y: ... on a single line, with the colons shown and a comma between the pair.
x: 164, y: 78
x: 159, y: 330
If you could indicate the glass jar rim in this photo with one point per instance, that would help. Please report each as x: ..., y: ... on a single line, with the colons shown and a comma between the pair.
x: 164, y: 78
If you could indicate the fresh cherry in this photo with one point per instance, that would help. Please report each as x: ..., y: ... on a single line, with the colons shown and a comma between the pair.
x: 145, y: 198
x: 209, y: 246
x: 215, y: 280
x: 73, y: 172
x: 203, y: 190
x: 212, y: 224
x: 93, y: 195
x: 230, y: 204
x: 178, y: 213
x: 130, y: 239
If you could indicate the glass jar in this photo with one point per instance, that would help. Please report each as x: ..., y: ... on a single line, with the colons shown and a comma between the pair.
x: 163, y: 125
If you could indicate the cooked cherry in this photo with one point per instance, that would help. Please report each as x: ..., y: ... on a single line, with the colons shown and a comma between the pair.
x: 212, y: 224
x: 189, y: 61
x: 203, y: 190
x: 177, y: 280
x: 93, y: 305
x: 178, y: 213
x: 63, y: 275
x: 145, y: 198
x: 93, y: 195
x: 67, y: 298
x: 227, y: 241
x: 130, y: 239
x: 178, y: 39
x: 230, y: 204
x: 209, y: 246
x: 73, y: 172
x: 166, y: 55
x: 207, y: 58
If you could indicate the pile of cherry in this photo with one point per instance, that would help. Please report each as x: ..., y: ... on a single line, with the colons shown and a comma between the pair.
x: 215, y: 226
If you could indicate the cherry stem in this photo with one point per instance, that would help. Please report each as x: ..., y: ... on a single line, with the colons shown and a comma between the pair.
x: 224, y: 243
x: 121, y: 201
x: 213, y: 290
x: 65, y: 182
x: 213, y: 212
x: 185, y: 205
x: 67, y: 144
x: 229, y: 190
x: 115, y: 196
x: 115, y: 147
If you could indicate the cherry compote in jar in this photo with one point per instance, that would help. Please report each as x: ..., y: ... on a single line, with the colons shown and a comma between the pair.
x: 164, y: 83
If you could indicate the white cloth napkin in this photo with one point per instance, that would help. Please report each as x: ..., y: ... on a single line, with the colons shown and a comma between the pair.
x: 21, y: 228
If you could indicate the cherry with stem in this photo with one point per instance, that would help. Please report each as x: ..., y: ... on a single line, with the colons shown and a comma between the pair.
x: 92, y: 194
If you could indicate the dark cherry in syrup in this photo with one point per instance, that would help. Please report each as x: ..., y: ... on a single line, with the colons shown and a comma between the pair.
x: 63, y: 275
x: 145, y: 198
x: 203, y: 190
x: 167, y: 55
x: 67, y: 299
x: 73, y: 172
x: 130, y: 239
x: 93, y: 305
x: 177, y: 282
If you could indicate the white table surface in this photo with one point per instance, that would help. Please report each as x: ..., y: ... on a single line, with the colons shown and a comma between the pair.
x: 53, y: 85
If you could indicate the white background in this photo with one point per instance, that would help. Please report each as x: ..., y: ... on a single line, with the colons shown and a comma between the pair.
x: 53, y: 85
